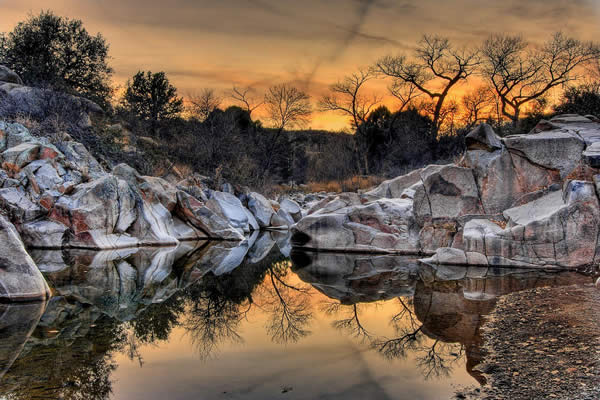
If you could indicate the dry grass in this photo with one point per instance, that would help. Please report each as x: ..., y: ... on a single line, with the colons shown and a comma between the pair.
x: 351, y: 184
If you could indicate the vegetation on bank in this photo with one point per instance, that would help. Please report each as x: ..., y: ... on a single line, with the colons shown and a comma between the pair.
x: 150, y: 126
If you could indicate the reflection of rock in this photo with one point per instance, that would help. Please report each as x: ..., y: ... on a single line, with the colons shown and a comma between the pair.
x: 20, y: 278
x: 261, y: 247
x: 121, y: 282
x: 353, y: 278
x: 451, y: 301
x: 17, y: 321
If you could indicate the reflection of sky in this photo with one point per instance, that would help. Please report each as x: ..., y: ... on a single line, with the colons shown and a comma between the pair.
x: 217, y: 43
x: 328, y: 364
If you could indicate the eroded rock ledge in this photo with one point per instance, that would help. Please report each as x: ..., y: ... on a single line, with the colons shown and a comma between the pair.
x: 519, y: 201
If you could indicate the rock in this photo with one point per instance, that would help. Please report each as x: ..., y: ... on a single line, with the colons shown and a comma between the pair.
x: 12, y: 135
x: 592, y: 155
x: 98, y: 214
x: 198, y: 215
x: 394, y: 188
x: 81, y: 160
x: 19, y: 206
x: 382, y: 226
x: 553, y: 231
x: 9, y: 76
x: 292, y: 208
x: 229, y: 207
x: 281, y: 220
x: 483, y: 137
x: 261, y: 208
x: 449, y: 256
x: 20, y: 279
x: 44, y: 234
x: 447, y: 192
x: 252, y: 222
x: 556, y: 149
x: 504, y: 178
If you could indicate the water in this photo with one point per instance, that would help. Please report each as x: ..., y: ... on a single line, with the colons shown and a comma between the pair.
x: 220, y: 321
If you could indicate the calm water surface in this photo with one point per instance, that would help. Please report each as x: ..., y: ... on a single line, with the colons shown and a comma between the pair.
x: 256, y: 321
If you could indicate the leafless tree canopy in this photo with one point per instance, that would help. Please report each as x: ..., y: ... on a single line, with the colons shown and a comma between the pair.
x: 520, y: 74
x: 287, y: 107
x: 202, y: 104
x: 477, y: 105
x: 246, y: 96
x: 347, y: 98
x: 435, y: 68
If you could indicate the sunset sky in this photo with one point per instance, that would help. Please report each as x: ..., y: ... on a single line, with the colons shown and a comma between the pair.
x: 219, y: 43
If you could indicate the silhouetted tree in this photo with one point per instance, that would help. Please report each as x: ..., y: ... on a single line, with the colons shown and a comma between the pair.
x: 434, y: 70
x: 347, y: 98
x: 520, y: 75
x: 246, y: 96
x: 202, y: 104
x: 58, y: 52
x: 584, y: 100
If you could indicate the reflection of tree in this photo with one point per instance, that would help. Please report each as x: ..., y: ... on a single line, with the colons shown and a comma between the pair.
x: 350, y: 322
x: 437, y: 359
x: 70, y: 366
x: 156, y: 322
x: 213, y: 319
x: 434, y: 358
x: 288, y: 305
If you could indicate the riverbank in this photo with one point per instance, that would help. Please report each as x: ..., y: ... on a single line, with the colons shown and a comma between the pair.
x: 542, y: 344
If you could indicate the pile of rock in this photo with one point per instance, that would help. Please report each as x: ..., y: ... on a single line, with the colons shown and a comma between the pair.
x: 56, y: 195
x: 523, y: 200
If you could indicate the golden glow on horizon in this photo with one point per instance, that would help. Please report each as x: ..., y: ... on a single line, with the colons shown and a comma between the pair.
x: 206, y: 44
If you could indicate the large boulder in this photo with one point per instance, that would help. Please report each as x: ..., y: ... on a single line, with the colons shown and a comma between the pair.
x: 196, y: 213
x: 555, y: 149
x: 558, y: 230
x: 20, y: 279
x: 503, y: 178
x: 446, y: 192
x: 230, y: 208
x: 292, y: 208
x: 261, y: 208
x: 98, y: 214
x: 394, y: 188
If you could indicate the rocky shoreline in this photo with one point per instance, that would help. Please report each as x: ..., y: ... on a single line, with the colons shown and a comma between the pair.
x: 542, y: 344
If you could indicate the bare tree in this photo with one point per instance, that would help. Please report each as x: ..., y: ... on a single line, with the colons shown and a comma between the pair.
x: 202, y: 104
x: 404, y: 92
x: 287, y: 107
x: 520, y: 74
x: 246, y: 96
x: 434, y: 70
x: 477, y: 105
x: 347, y: 98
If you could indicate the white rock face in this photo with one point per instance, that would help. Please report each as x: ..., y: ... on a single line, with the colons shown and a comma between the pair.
x: 520, y: 201
x: 20, y: 279
x: 292, y: 208
x: 229, y: 208
x: 261, y: 208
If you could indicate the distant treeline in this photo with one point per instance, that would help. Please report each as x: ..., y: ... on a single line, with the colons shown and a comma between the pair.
x: 153, y: 128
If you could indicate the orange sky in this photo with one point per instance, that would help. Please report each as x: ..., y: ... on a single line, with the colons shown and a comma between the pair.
x: 312, y: 43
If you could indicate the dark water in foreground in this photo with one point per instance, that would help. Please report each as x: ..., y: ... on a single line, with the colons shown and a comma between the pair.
x: 212, y: 321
